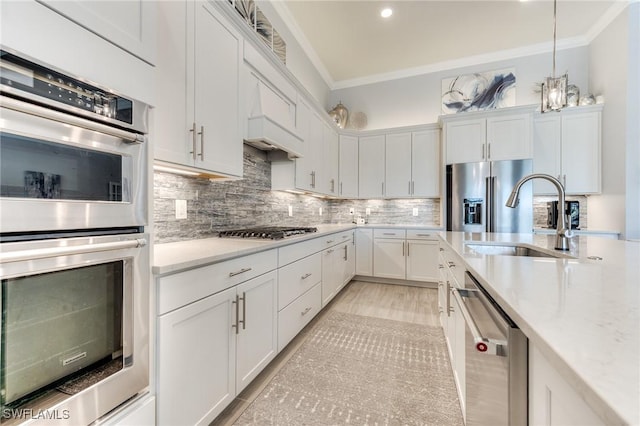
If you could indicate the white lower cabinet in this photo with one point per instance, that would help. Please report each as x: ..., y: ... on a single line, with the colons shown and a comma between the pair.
x: 364, y: 252
x: 196, y: 360
x: 295, y: 316
x: 405, y: 255
x: 552, y: 401
x: 337, y: 269
x: 214, y: 346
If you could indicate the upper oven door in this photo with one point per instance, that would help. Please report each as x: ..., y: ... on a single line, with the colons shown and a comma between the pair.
x: 60, y: 172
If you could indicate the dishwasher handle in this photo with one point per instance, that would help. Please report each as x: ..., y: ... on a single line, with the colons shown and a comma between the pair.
x: 482, y: 344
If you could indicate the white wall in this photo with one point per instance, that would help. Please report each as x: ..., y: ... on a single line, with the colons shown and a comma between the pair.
x: 416, y: 100
x: 612, y: 75
x: 297, y: 60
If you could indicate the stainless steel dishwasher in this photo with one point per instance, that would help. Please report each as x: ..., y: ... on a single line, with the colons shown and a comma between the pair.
x: 495, y: 360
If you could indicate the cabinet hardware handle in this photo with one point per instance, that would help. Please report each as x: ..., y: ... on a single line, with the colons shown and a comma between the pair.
x: 329, y: 251
x: 382, y: 188
x: 409, y: 188
x: 488, y: 150
x: 413, y: 188
x: 305, y: 276
x: 340, y: 188
x: 241, y: 271
x: 423, y: 235
x: 236, y: 302
x: 201, y: 142
x: 564, y: 181
x: 313, y: 179
x: 388, y: 233
x: 333, y: 185
x: 345, y: 252
x: 441, y: 249
x: 244, y: 310
x: 403, y: 248
x: 483, y: 151
x: 345, y: 236
x: 440, y: 266
x: 306, y: 311
x: 408, y: 247
x: 194, y: 137
x: 451, y: 264
x: 329, y: 241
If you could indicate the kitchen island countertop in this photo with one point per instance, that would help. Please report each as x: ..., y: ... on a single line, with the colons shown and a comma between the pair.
x: 583, y: 314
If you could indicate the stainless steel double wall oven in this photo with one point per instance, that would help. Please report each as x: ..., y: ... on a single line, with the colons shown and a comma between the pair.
x: 74, y: 257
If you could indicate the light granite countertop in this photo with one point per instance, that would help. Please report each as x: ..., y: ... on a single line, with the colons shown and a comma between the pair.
x: 583, y: 314
x: 174, y: 257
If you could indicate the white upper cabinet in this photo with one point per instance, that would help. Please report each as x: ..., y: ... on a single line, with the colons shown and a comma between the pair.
x: 488, y: 136
x: 567, y: 145
x: 201, y: 56
x: 425, y: 163
x: 129, y: 25
x: 371, y: 163
x: 331, y: 158
x: 412, y: 164
x: 398, y: 165
x: 348, y: 166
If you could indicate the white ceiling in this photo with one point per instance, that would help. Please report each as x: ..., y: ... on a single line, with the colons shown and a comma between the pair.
x: 351, y: 44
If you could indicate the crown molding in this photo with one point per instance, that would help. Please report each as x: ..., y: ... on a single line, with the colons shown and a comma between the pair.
x: 607, y: 18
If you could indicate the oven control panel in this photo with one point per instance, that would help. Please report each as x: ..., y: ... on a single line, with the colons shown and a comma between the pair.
x: 35, y: 82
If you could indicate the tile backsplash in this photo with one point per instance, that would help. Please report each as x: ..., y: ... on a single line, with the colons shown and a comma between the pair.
x: 214, y: 206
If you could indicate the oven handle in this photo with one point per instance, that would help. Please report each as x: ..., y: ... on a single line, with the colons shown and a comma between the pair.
x: 35, y: 254
x: 54, y: 115
x: 481, y: 343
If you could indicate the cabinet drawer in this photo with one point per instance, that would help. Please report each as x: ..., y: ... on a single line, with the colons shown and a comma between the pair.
x: 422, y: 234
x: 293, y: 252
x: 294, y: 317
x: 182, y: 288
x: 335, y: 239
x: 389, y: 233
x: 298, y: 277
x: 454, y: 264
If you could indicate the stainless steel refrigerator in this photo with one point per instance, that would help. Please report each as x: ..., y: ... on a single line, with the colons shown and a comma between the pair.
x: 477, y: 193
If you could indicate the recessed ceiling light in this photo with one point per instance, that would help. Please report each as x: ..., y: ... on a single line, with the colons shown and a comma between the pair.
x: 386, y: 12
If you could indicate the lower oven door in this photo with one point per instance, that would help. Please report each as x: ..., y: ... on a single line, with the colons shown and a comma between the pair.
x: 74, y: 324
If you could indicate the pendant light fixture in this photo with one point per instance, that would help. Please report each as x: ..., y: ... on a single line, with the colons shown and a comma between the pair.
x: 554, y: 89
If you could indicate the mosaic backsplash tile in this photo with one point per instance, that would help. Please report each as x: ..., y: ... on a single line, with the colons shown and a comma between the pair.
x: 214, y: 206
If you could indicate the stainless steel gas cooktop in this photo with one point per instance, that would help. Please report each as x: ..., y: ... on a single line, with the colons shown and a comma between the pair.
x: 267, y: 232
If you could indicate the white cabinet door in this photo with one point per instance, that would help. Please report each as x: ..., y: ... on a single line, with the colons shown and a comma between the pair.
x: 316, y: 150
x: 389, y: 258
x: 371, y: 166
x: 129, y: 25
x: 398, y: 165
x: 304, y: 166
x: 257, y: 332
x: 350, y: 268
x: 348, y: 166
x: 547, y: 143
x: 552, y: 401
x: 465, y: 140
x: 425, y: 163
x: 216, y: 135
x: 364, y: 252
x: 332, y: 273
x: 422, y: 260
x: 196, y: 360
x: 581, y: 152
x: 509, y: 137
x: 567, y: 145
x: 331, y: 159
x: 172, y: 141
x: 197, y: 118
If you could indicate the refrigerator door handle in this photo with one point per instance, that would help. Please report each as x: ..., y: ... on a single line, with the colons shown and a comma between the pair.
x: 488, y: 204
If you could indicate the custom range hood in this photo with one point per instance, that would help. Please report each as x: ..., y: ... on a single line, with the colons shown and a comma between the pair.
x: 271, y: 114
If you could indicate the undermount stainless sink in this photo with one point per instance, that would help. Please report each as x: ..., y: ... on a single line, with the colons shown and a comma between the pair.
x: 509, y: 250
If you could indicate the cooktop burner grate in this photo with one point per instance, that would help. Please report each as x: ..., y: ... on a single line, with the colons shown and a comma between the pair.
x: 268, y: 232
